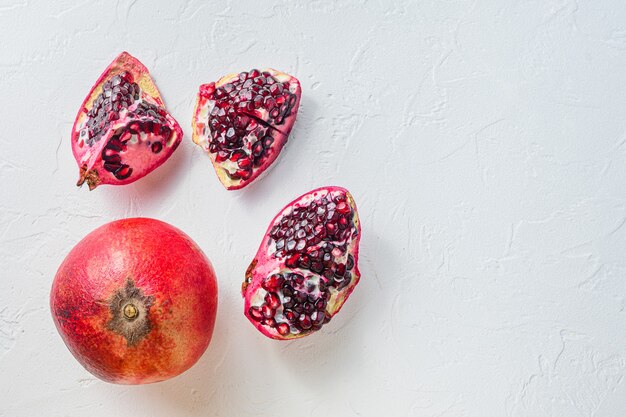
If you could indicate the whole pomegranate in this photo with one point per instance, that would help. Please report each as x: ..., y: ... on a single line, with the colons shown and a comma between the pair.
x: 122, y: 131
x: 243, y: 121
x: 135, y: 301
x: 306, y: 265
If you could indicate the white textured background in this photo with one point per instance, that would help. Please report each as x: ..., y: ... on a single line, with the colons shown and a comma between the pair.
x: 484, y: 142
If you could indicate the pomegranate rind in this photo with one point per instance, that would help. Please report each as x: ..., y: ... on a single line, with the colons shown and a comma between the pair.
x: 182, y: 300
x: 262, y: 266
x: 200, y: 117
x: 124, y: 62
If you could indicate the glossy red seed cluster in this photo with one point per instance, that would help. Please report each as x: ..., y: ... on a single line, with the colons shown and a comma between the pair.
x: 312, y: 241
x: 119, y: 93
x: 312, y: 237
x: 303, y: 305
x: 239, y: 131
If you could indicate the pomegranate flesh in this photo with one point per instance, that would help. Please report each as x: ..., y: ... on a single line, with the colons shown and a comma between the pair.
x: 306, y: 266
x: 243, y: 121
x: 122, y: 131
x: 135, y: 301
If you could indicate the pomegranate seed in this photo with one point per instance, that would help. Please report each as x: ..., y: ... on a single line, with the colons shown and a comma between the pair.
x: 115, y: 144
x: 274, y: 282
x: 305, y: 322
x: 289, y: 315
x: 292, y: 261
x: 243, y: 174
x: 207, y: 89
x: 257, y: 148
x: 255, y: 313
x: 112, y: 166
x: 317, y: 267
x: 267, y: 141
x: 283, y: 329
x: 237, y: 154
x: 343, y: 208
x: 350, y: 262
x: 276, y: 89
x: 346, y: 281
x: 221, y: 156
x: 300, y: 297
x: 123, y: 172
x: 272, y: 300
x: 305, y: 262
x: 288, y: 302
x: 270, y: 103
x: 166, y: 132
x: 267, y: 311
x: 156, y: 147
x: 317, y: 317
x: 328, y: 273
x: 245, y: 163
x: 113, y: 158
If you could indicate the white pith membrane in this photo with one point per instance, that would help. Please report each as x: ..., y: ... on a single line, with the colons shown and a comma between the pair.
x: 261, y: 125
x: 312, y: 288
x: 140, y: 131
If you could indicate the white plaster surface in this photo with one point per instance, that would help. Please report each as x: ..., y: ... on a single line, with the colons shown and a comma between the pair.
x: 484, y: 142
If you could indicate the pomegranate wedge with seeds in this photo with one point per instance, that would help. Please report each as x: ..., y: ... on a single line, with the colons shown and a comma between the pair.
x: 306, y: 266
x: 243, y: 121
x: 122, y: 131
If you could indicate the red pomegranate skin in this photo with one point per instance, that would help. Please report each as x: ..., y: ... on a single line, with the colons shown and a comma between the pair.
x: 135, y: 301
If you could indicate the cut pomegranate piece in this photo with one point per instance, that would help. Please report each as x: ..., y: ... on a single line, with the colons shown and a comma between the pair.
x: 243, y: 121
x: 306, y: 266
x: 122, y: 131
